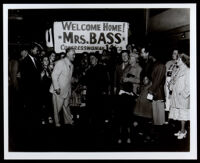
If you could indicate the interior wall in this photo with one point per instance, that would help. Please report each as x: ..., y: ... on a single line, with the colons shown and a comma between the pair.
x: 169, y: 19
x: 170, y: 30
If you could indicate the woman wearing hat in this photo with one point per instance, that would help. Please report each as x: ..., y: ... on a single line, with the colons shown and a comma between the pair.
x: 180, y: 98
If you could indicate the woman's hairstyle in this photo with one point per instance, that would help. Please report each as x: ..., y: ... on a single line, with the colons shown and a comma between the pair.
x: 49, y: 53
x: 45, y: 56
x: 185, y: 58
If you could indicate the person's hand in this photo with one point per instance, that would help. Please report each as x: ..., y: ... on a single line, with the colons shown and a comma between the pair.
x: 42, y: 74
x: 125, y: 80
x: 57, y: 91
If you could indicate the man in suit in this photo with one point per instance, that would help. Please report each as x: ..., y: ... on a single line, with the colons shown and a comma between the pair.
x: 146, y: 62
x: 157, y: 89
x: 61, y: 87
x: 30, y: 76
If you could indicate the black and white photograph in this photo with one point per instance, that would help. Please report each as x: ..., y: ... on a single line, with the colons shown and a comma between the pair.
x: 100, y: 81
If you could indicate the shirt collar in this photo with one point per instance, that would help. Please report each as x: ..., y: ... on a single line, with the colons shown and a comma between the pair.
x: 31, y: 57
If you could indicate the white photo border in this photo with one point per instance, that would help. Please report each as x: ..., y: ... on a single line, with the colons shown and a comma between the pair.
x: 192, y: 154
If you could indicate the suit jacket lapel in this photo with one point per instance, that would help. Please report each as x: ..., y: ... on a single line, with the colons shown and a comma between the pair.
x: 34, y: 64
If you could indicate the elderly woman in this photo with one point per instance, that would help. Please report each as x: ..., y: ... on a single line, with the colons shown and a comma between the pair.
x: 180, y: 98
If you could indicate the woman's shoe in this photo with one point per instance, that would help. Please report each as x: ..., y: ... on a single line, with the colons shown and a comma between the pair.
x: 182, y: 135
x: 177, y: 134
x: 128, y: 141
x: 50, y: 120
x: 119, y: 141
x: 43, y: 122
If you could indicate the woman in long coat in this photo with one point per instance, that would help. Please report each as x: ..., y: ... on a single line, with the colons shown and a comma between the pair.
x: 180, y: 99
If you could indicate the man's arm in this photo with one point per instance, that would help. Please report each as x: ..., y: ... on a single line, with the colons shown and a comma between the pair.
x: 55, y: 76
x: 186, y: 91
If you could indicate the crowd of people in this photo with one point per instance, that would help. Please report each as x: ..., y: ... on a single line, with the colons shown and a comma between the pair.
x: 147, y: 92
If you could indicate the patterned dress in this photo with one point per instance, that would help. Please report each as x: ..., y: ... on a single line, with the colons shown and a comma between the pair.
x: 180, y: 98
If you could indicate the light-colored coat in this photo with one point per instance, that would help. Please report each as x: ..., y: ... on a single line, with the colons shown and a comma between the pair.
x: 61, y: 77
x: 135, y: 71
x: 181, y: 89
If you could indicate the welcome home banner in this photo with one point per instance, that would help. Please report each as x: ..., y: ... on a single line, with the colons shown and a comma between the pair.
x: 89, y: 36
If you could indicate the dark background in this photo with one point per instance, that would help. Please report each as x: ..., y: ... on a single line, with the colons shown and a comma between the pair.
x: 26, y: 25
x: 34, y: 22
x: 29, y: 25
